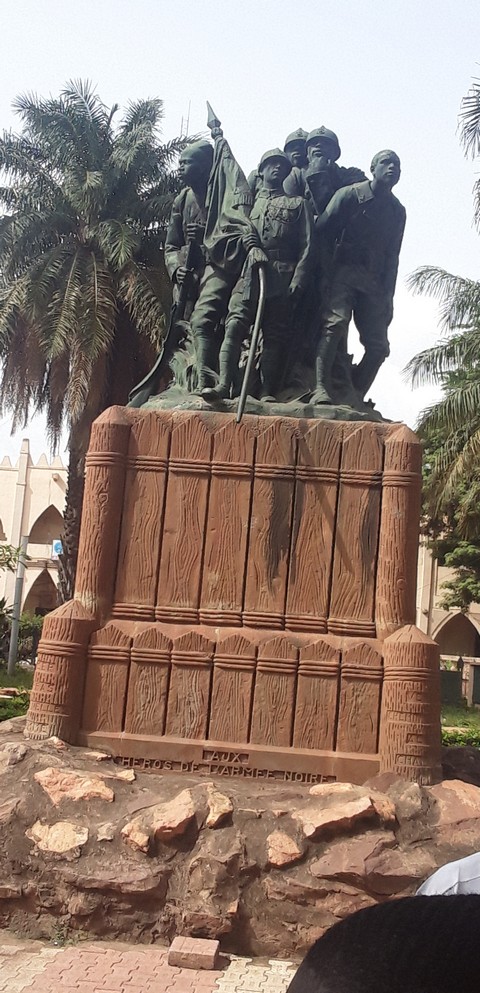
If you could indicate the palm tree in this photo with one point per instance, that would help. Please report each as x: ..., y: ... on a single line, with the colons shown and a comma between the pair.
x: 83, y: 288
x: 453, y: 423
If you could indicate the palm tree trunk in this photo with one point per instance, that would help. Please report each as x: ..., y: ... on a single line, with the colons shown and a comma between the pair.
x: 73, y: 512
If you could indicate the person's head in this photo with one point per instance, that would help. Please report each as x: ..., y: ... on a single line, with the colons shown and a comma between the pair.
x: 421, y: 944
x: 322, y: 144
x: 295, y: 149
x: 195, y: 163
x: 385, y: 168
x: 274, y: 168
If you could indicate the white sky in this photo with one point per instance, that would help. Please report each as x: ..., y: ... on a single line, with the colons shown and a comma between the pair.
x: 380, y: 73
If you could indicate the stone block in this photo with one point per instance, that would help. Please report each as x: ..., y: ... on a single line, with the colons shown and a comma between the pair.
x: 193, y: 953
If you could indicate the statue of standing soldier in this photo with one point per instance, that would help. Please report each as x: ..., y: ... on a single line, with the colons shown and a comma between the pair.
x: 284, y: 230
x: 363, y: 226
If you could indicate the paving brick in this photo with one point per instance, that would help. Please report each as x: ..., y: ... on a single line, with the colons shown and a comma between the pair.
x: 180, y: 985
x: 193, y: 953
x: 208, y: 978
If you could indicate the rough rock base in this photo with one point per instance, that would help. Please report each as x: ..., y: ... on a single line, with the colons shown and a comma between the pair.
x: 88, y: 847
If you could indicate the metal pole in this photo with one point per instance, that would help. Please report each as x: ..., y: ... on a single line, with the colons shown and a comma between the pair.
x: 253, y: 343
x: 17, y: 603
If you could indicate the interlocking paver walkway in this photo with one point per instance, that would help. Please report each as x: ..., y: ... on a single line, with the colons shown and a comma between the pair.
x: 94, y: 967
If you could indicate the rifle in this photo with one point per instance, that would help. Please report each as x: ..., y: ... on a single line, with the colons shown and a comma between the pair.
x: 149, y: 385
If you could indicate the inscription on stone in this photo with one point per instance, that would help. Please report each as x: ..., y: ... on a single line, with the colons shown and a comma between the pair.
x: 219, y: 764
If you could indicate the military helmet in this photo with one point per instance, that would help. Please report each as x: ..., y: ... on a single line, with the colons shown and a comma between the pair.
x: 324, y: 132
x: 275, y: 153
x: 298, y: 135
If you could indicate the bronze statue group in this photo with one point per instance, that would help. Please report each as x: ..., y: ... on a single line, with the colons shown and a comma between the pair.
x: 306, y: 245
x: 328, y: 240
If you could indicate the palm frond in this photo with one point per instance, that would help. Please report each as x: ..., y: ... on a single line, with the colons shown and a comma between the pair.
x: 469, y: 122
x: 139, y: 111
x: 119, y: 242
x: 460, y: 297
x: 449, y: 415
x: 147, y: 298
x: 433, y: 364
x: 80, y: 94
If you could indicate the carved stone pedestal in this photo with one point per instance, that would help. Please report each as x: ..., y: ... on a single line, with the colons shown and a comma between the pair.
x: 245, y: 601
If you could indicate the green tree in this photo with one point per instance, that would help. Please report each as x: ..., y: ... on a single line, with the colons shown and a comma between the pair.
x: 451, y: 427
x: 83, y: 288
x: 9, y: 557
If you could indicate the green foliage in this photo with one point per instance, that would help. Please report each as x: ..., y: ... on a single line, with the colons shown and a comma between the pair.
x: 85, y: 204
x: 464, y: 589
x: 461, y: 726
x: 456, y: 736
x: 9, y: 557
x: 29, y: 633
x: 16, y: 706
x: 450, y: 428
x: 5, y: 620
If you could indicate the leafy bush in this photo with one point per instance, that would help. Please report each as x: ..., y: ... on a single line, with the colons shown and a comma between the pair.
x: 16, y: 706
x: 460, y: 736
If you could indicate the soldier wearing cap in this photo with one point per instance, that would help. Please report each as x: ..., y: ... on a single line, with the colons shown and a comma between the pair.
x: 284, y: 230
x: 363, y: 225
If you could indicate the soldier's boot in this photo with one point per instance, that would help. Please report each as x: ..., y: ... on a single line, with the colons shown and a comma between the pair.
x: 270, y: 365
x: 228, y: 363
x: 323, y: 368
x: 365, y: 373
x: 205, y: 354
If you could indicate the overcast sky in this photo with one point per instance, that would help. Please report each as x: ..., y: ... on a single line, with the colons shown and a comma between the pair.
x: 382, y: 74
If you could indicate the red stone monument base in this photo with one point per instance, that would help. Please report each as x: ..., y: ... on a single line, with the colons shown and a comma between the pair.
x: 245, y: 601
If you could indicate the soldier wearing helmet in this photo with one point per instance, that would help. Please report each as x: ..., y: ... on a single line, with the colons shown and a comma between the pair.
x: 295, y: 151
x: 295, y: 148
x: 322, y: 176
x: 284, y: 230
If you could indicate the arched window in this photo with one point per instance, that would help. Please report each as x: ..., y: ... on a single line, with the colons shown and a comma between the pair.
x: 42, y: 595
x: 47, y: 527
x: 458, y: 637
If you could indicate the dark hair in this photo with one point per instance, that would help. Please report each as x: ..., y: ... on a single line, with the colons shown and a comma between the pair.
x: 203, y: 152
x: 421, y: 944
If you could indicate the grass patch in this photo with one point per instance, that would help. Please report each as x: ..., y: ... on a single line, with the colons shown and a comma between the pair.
x: 16, y: 706
x: 461, y: 726
x: 21, y: 678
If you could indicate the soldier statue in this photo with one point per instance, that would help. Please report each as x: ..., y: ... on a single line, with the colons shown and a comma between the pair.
x: 296, y: 152
x: 187, y: 221
x: 363, y: 226
x: 213, y: 280
x: 321, y: 177
x: 295, y: 148
x: 284, y: 230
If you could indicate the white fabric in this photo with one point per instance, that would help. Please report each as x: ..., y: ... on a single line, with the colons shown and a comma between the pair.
x: 462, y: 876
